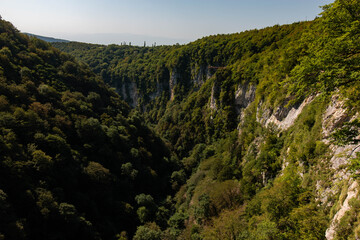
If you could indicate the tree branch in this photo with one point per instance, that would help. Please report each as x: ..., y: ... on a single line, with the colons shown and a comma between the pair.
x: 353, y: 151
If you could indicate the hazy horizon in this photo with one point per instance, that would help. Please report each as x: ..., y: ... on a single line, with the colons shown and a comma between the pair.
x: 164, y: 22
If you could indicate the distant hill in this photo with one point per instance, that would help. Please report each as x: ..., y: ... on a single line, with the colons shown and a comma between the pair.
x: 47, y: 39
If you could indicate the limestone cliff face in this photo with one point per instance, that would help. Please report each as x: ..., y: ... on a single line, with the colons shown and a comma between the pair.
x: 244, y: 96
x: 200, y: 74
x: 215, y: 91
x: 340, y: 180
x: 283, y: 117
x: 345, y: 206
x: 129, y: 92
x: 335, y: 115
x: 174, y: 76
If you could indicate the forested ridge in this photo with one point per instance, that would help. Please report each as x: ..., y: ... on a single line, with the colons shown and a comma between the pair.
x: 250, y: 135
x: 75, y: 162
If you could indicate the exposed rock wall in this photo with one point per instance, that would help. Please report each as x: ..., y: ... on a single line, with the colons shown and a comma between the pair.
x: 335, y: 115
x: 129, y: 92
x: 244, y: 95
x: 283, y: 117
x: 174, y: 76
x: 214, y: 96
x: 200, y: 74
x: 352, y: 192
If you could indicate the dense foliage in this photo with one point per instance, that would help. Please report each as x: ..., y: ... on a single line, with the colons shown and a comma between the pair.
x: 230, y: 186
x: 78, y: 162
x: 74, y: 161
x: 260, y: 57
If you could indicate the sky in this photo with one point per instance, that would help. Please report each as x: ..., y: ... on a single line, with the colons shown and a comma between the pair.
x: 161, y: 21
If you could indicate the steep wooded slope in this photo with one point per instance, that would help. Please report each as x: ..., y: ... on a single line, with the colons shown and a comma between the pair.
x: 74, y: 161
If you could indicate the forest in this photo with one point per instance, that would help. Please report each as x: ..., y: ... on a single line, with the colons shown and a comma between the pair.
x: 250, y: 135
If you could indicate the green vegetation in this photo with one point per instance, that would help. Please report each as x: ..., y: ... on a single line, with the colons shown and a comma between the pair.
x: 74, y: 161
x: 195, y: 157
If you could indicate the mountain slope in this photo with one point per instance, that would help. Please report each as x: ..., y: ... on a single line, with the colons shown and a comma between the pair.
x: 253, y: 116
x: 46, y: 39
x: 74, y: 159
x: 265, y: 124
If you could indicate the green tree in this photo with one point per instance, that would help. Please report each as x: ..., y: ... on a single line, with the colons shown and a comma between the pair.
x: 149, y: 231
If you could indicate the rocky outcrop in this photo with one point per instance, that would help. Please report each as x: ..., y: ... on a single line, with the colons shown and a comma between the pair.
x: 123, y: 91
x: 199, y: 75
x: 129, y: 92
x: 244, y: 95
x: 174, y: 76
x: 214, y: 96
x: 283, y: 117
x: 344, y: 207
x: 334, y: 116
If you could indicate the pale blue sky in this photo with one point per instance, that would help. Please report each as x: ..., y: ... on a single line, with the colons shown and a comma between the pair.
x: 168, y: 21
